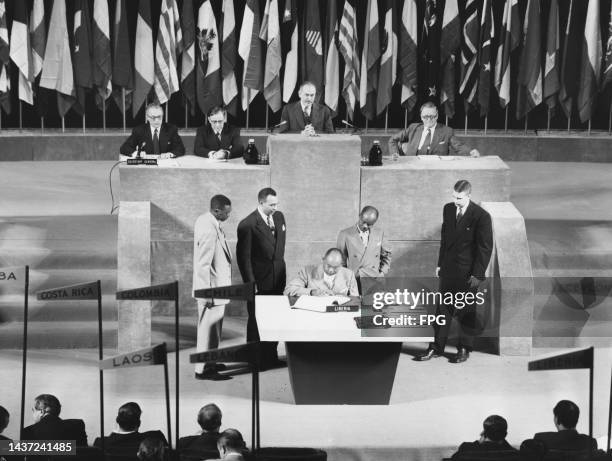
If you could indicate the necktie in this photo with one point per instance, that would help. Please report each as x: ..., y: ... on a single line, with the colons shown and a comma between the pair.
x: 219, y: 136
x: 307, y: 120
x: 271, y: 225
x: 427, y: 142
x: 155, y: 143
x: 459, y: 214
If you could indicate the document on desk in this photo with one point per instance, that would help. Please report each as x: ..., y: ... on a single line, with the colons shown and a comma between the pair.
x: 320, y: 303
x: 429, y: 158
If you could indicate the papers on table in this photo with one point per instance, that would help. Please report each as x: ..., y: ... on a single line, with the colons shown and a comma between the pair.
x: 319, y: 303
x: 432, y: 158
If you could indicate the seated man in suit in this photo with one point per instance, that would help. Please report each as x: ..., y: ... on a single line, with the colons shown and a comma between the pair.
x: 326, y: 279
x: 49, y: 426
x: 306, y: 116
x: 429, y: 137
x: 217, y: 139
x: 126, y: 438
x: 4, y: 422
x: 492, y: 439
x: 154, y: 137
x: 231, y: 446
x: 203, y: 445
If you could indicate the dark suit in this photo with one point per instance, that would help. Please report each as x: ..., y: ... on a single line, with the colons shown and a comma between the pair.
x: 126, y: 443
x: 444, y: 142
x: 55, y: 428
x: 474, y: 450
x: 568, y: 439
x: 203, y: 446
x: 465, y: 251
x: 320, y: 118
x: 169, y: 140
x: 206, y: 141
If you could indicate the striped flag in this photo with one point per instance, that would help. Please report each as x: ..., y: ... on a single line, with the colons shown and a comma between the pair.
x: 591, y: 62
x: 348, y: 48
x: 208, y: 71
x: 270, y: 33
x: 20, y: 52
x: 144, y: 72
x: 469, y: 57
x: 229, y: 58
x: 450, y: 41
x: 607, y: 76
x: 551, y: 60
x: 408, y: 54
x: 529, y: 93
x: 38, y: 36
x: 178, y: 32
x: 485, y: 60
x: 388, y: 60
x: 102, y: 51
x: 5, y: 53
x: 509, y: 40
x: 289, y: 40
x: 251, y: 52
x: 369, y: 62
x: 332, y: 61
x: 431, y: 49
x: 312, y: 64
x: 188, y: 57
x: 122, y: 58
x: 57, y: 65
x: 82, y: 54
x: 166, y: 81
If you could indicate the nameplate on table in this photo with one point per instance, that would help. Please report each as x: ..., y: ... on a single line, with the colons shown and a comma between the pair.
x: 323, y: 303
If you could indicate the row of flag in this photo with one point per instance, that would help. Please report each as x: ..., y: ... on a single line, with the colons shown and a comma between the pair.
x: 196, y: 54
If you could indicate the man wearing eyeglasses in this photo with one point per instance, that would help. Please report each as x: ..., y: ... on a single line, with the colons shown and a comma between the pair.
x: 154, y: 137
x: 429, y: 137
x: 218, y: 140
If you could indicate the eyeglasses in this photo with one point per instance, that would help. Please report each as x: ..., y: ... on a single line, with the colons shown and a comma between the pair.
x: 155, y: 117
x: 216, y: 121
x: 429, y: 117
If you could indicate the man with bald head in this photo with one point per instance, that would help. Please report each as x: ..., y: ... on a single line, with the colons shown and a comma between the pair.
x: 306, y: 116
x: 325, y: 279
x: 204, y: 445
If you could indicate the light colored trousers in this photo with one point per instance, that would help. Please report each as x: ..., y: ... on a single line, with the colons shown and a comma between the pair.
x: 210, y: 321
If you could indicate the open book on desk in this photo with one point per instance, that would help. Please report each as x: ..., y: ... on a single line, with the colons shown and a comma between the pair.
x: 325, y: 304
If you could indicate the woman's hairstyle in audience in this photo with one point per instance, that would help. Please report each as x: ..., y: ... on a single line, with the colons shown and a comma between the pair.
x: 48, y: 403
x: 495, y: 428
x: 209, y: 417
x: 128, y: 416
x: 4, y: 418
x: 152, y: 449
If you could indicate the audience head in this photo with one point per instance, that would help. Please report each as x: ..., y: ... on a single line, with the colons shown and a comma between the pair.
x: 307, y: 93
x: 128, y: 416
x: 230, y: 441
x: 566, y: 415
x: 155, y: 115
x: 4, y: 418
x: 267, y: 200
x: 429, y: 114
x: 332, y: 261
x: 220, y: 207
x: 217, y: 116
x: 367, y: 218
x: 46, y: 404
x: 461, y: 193
x: 152, y: 449
x: 494, y: 429
x: 209, y: 418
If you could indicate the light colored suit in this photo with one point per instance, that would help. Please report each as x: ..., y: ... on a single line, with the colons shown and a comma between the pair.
x: 312, y: 277
x: 212, y: 267
x: 373, y: 260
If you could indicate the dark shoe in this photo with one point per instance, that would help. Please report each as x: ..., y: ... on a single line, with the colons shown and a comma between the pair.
x: 212, y: 375
x: 215, y: 366
x: 462, y: 356
x: 272, y: 364
x: 427, y: 355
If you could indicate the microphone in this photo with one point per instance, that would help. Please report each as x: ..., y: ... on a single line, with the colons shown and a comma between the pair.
x: 284, y: 122
x: 347, y: 123
x: 139, y: 149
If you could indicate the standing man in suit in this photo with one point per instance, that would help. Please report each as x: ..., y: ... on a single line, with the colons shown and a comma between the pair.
x: 218, y: 140
x: 465, y: 250
x: 261, y: 251
x: 306, y: 116
x: 49, y: 426
x: 154, y: 137
x: 212, y: 267
x: 429, y: 137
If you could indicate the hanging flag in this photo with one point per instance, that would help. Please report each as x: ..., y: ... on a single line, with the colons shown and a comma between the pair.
x: 144, y: 73
x: 102, y: 52
x: 332, y: 62
x: 5, y: 78
x: 388, y: 60
x: 20, y: 52
x: 571, y: 56
x: 607, y: 76
x: 188, y: 57
x: 369, y: 62
x: 122, y: 58
x: 208, y: 72
x: 38, y: 43
x: 408, y: 54
x: 312, y: 63
x: 57, y: 66
x: 82, y: 54
x: 469, y: 57
x: 450, y: 41
x: 270, y: 33
x: 178, y: 32
x: 551, y: 60
x: 251, y: 52
x: 485, y: 61
x: 348, y: 48
x: 166, y: 78
x: 431, y: 49
x: 229, y: 58
x: 289, y: 42
x: 509, y: 40
x: 591, y: 63
x: 529, y: 94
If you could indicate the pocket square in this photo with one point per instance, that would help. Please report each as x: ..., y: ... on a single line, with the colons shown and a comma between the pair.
x: 442, y: 142
x: 283, y: 228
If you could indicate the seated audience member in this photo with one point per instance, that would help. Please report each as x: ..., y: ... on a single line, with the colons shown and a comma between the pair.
x: 325, y: 279
x: 429, y: 137
x: 492, y: 440
x: 49, y: 426
x: 154, y: 137
x: 152, y: 449
x: 4, y: 422
x: 306, y: 116
x: 217, y: 139
x: 231, y: 445
x: 204, y: 444
x: 126, y: 438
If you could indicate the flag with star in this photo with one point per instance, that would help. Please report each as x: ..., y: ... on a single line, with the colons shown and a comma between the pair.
x: 485, y: 61
x: 430, y: 40
x: 469, y: 55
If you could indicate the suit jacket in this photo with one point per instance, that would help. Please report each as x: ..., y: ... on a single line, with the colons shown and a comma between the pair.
x: 502, y: 451
x: 169, y: 140
x: 212, y: 258
x: 320, y: 118
x: 310, y: 277
x: 52, y: 427
x: 373, y: 260
x: 444, y: 141
x: 261, y: 255
x: 568, y: 439
x: 465, y: 247
x: 127, y: 443
x: 230, y: 457
x: 204, y: 445
x: 206, y: 140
